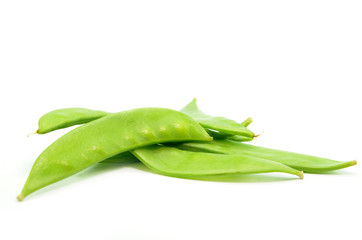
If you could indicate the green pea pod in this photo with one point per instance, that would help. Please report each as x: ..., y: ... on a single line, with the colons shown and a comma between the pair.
x: 298, y: 161
x: 128, y: 157
x: 220, y: 124
x: 106, y: 137
x: 67, y: 117
x: 178, y: 163
x: 238, y: 138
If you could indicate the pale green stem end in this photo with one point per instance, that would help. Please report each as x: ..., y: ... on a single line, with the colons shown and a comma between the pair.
x: 20, y: 197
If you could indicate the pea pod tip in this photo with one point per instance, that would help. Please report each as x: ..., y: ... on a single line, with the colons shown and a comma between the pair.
x: 257, y: 135
x: 33, y: 133
x: 20, y: 197
x: 301, y: 175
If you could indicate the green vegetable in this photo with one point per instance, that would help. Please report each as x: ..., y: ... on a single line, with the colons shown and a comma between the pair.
x: 173, y: 143
x: 106, y: 137
x: 67, y: 117
x: 298, y: 161
x: 178, y: 163
x: 220, y: 124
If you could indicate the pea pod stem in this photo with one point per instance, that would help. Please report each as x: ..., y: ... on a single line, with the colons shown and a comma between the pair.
x: 257, y: 135
x: 33, y: 133
x: 247, y: 122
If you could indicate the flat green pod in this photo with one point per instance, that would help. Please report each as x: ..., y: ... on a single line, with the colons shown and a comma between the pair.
x: 129, y: 157
x: 298, y: 161
x: 220, y: 124
x: 106, y: 137
x: 67, y: 117
x: 174, y: 162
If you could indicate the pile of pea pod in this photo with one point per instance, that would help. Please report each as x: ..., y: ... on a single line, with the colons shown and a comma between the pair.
x: 186, y: 143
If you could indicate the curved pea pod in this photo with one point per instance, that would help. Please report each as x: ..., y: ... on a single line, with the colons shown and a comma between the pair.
x: 67, y: 117
x: 298, y: 161
x: 220, y: 124
x: 174, y: 162
x: 106, y: 137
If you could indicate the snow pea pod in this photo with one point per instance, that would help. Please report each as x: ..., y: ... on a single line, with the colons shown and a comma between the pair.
x: 238, y: 138
x: 221, y: 135
x: 128, y: 157
x: 67, y: 117
x: 174, y: 162
x: 298, y: 161
x: 220, y: 124
x: 106, y: 137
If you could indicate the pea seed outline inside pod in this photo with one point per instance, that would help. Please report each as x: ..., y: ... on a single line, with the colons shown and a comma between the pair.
x: 105, y: 137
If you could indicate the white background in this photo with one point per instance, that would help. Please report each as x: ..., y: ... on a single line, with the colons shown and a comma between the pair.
x: 294, y: 66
